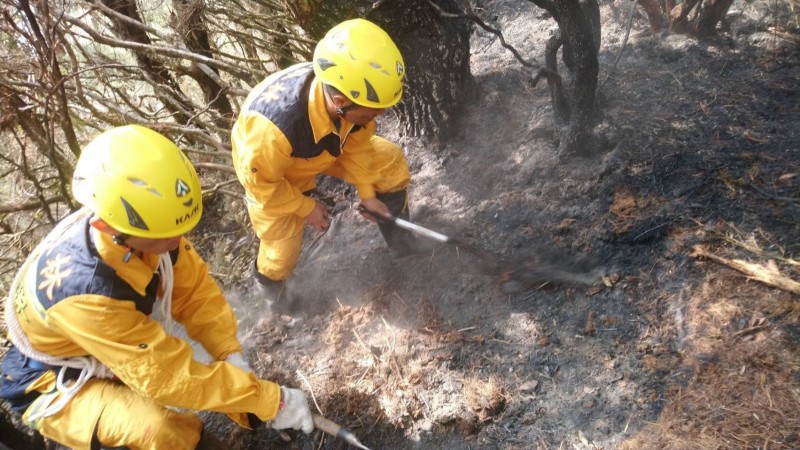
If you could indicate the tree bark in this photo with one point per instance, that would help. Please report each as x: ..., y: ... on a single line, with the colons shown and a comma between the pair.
x: 582, y: 41
x: 678, y: 16
x: 711, y: 13
x: 436, y: 54
x: 561, y: 109
x: 655, y: 15
x: 697, y: 18
x: 154, y: 71
x: 191, y: 26
x: 435, y: 50
x: 579, y: 32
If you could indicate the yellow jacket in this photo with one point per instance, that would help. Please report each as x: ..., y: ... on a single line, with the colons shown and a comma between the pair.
x: 284, y: 138
x: 79, y: 298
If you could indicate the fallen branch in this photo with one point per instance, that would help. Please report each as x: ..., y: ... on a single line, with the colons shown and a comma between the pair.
x: 768, y: 275
x: 218, y: 186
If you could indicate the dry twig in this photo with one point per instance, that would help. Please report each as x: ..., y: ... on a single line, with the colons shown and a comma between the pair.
x: 766, y: 275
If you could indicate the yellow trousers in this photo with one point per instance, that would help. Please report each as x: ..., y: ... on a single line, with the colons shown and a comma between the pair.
x: 120, y: 418
x: 282, y: 237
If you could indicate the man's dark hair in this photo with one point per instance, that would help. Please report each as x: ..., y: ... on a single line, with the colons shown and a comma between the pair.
x: 332, y: 90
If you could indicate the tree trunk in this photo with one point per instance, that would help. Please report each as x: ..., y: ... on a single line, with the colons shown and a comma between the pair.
x: 436, y: 54
x: 711, y: 13
x: 435, y: 51
x: 164, y: 85
x: 655, y: 15
x: 561, y: 109
x: 191, y: 26
x: 678, y: 16
x: 579, y: 32
x: 697, y: 18
x: 582, y: 42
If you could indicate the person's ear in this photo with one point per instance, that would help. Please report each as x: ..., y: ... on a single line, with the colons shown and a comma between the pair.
x: 101, y: 225
x: 340, y: 101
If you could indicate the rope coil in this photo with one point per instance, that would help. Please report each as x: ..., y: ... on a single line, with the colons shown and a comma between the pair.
x: 88, y: 366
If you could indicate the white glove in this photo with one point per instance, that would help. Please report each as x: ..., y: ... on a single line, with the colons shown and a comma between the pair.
x: 294, y: 412
x: 238, y: 360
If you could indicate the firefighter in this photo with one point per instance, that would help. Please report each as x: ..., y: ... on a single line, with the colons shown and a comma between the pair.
x: 92, y: 361
x: 319, y: 118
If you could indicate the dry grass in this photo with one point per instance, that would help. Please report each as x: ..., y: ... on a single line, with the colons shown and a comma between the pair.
x: 744, y: 389
x: 367, y: 369
x: 486, y: 398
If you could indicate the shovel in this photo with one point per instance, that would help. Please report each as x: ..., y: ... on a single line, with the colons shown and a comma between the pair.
x: 533, y: 269
x: 334, y: 429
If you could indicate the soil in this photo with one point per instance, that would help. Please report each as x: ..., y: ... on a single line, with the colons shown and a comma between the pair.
x: 663, y: 350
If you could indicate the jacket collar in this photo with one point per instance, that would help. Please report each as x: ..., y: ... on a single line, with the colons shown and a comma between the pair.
x: 137, y: 272
x: 321, y: 122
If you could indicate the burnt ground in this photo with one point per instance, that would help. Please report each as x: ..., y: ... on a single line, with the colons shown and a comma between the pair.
x: 666, y: 350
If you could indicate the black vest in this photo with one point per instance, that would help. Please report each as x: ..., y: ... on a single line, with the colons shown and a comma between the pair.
x: 284, y: 101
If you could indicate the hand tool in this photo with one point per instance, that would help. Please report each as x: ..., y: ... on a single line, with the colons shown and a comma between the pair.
x: 538, y: 267
x: 337, y: 431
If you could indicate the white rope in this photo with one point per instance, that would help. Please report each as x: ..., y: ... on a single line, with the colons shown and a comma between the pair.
x: 167, y: 281
x: 87, y: 365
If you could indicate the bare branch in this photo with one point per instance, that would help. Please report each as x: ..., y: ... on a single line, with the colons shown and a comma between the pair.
x: 212, y: 166
x: 161, y: 50
x: 31, y: 205
x: 470, y: 15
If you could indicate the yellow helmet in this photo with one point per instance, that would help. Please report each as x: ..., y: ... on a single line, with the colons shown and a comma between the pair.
x: 360, y: 60
x: 139, y: 182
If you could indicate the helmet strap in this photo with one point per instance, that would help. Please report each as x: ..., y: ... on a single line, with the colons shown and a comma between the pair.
x: 330, y: 92
x: 120, y: 239
x: 346, y: 109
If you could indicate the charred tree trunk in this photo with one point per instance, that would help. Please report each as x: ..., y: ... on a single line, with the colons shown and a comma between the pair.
x: 579, y: 36
x: 435, y: 50
x: 436, y: 53
x: 710, y: 14
x: 697, y: 18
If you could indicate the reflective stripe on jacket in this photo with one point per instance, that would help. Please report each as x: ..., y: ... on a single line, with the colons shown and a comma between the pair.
x: 80, y: 298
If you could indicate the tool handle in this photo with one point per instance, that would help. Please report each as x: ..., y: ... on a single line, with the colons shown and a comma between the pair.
x: 406, y: 225
x: 430, y: 234
x: 328, y: 426
x: 334, y: 429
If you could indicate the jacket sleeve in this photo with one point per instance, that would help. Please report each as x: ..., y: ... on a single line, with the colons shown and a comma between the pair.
x: 156, y: 365
x: 262, y: 156
x: 356, y: 160
x: 199, y: 305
